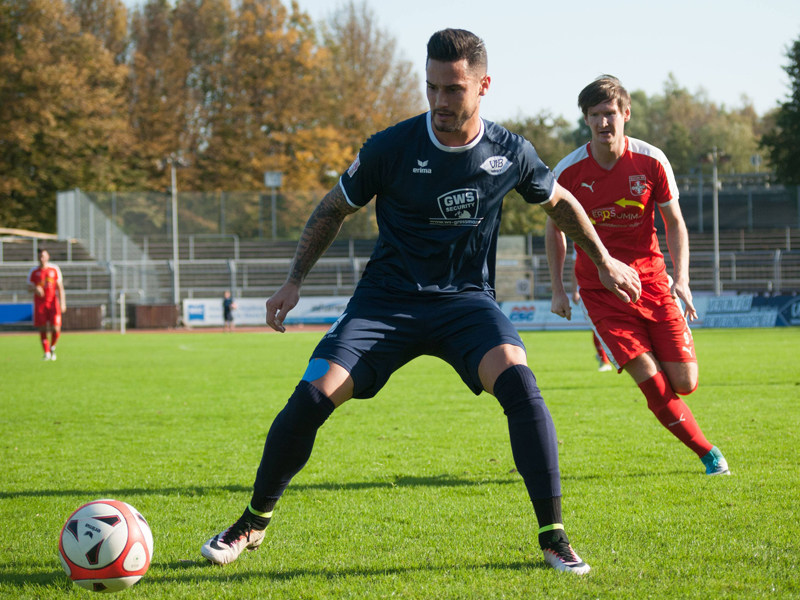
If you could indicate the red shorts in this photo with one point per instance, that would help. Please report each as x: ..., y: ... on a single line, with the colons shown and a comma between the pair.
x: 47, y: 313
x: 655, y: 323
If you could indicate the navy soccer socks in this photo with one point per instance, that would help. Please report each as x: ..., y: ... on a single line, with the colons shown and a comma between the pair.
x: 531, y: 431
x: 288, y: 448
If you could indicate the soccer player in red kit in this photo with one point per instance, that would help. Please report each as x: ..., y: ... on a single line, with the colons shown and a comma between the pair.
x: 47, y: 286
x: 619, y: 181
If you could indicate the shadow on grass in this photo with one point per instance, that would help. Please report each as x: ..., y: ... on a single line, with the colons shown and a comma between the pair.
x: 211, y: 572
x: 443, y: 481
x: 431, y: 481
x: 186, y: 571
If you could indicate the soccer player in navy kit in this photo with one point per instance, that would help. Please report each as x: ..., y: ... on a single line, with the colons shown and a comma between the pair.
x: 439, y: 180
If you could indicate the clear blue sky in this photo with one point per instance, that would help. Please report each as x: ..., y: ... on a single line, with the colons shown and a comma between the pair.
x: 541, y: 53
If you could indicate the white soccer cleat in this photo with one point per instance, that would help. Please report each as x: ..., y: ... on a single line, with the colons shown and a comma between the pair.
x: 560, y: 556
x: 224, y: 548
x: 47, y: 356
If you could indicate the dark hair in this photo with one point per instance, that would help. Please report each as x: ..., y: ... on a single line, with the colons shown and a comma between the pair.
x: 452, y: 45
x: 604, y: 89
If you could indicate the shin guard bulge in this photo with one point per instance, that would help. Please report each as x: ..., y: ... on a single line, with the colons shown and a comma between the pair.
x: 289, y: 443
x: 673, y: 413
x: 531, y: 431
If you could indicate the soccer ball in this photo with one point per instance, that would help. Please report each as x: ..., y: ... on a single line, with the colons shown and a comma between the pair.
x: 105, y: 546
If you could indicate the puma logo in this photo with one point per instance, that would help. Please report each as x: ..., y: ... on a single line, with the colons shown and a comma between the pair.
x: 588, y: 185
x: 678, y: 422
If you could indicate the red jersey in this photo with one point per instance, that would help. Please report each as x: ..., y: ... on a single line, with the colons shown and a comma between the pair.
x: 621, y: 204
x: 47, y: 277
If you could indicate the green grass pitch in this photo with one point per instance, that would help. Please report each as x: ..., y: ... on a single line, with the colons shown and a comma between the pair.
x: 412, y: 494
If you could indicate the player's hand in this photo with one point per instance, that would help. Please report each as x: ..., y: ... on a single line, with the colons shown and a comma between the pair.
x: 681, y: 290
x: 620, y: 279
x: 279, y: 305
x: 39, y: 290
x: 559, y: 305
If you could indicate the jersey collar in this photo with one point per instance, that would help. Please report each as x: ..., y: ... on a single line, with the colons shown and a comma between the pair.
x: 441, y: 146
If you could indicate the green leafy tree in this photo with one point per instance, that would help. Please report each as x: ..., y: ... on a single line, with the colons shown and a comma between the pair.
x: 686, y: 126
x: 782, y: 142
x: 553, y: 140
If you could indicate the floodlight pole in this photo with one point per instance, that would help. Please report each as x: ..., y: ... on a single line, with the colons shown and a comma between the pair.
x: 272, y: 181
x: 715, y: 204
x: 176, y: 278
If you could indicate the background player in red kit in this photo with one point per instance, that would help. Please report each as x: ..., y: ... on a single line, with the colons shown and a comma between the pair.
x: 47, y: 286
x: 619, y: 181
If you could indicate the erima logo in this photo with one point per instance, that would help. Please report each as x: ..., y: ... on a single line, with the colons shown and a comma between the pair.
x: 496, y: 165
x: 588, y: 185
x: 422, y: 168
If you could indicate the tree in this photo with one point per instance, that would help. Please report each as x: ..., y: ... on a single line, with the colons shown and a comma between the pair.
x: 106, y: 20
x: 62, y: 112
x: 687, y: 126
x: 160, y: 96
x: 552, y: 139
x: 782, y: 142
x: 267, y: 116
x: 370, y: 86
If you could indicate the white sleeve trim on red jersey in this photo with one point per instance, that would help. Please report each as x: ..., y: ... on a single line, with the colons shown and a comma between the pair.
x: 30, y: 274
x: 570, y: 159
x: 58, y: 270
x: 641, y: 147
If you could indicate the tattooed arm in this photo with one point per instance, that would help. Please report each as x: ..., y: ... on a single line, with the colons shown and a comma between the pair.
x: 321, y: 229
x: 568, y: 215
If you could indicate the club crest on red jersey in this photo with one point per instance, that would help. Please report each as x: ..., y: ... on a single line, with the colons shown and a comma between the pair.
x: 637, y: 184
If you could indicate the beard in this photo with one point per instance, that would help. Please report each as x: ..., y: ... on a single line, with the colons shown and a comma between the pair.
x: 455, y: 123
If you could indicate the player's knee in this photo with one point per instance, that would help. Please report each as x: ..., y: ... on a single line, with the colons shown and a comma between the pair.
x: 306, y: 411
x: 683, y: 383
x: 684, y: 388
x: 516, y: 389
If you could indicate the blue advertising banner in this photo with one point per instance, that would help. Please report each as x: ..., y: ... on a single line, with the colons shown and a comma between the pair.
x: 16, y: 314
x: 732, y: 310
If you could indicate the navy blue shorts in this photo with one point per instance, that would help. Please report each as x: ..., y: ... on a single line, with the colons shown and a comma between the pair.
x: 380, y: 331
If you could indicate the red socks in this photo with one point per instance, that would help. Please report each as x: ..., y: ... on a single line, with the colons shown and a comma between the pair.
x: 54, y: 338
x: 673, y: 413
x: 45, y: 343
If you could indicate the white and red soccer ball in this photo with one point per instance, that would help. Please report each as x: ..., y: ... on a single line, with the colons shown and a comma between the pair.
x: 106, y: 546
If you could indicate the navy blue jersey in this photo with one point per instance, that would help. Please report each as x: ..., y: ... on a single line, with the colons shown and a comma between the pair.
x: 438, y: 208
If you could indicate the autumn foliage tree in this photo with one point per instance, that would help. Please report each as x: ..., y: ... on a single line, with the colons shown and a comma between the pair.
x: 97, y: 97
x: 63, y: 117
